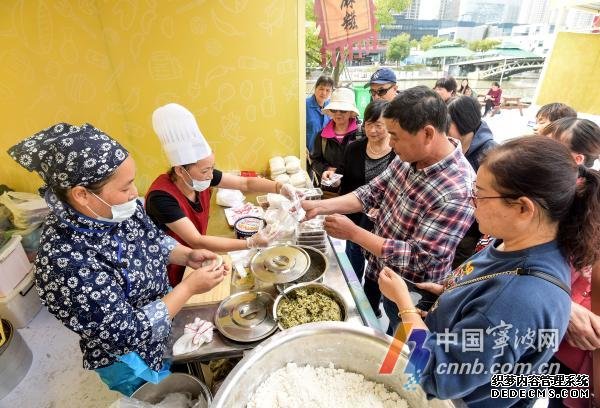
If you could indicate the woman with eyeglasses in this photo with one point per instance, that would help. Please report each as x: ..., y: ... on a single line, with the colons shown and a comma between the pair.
x: 365, y: 159
x: 328, y: 151
x: 513, y: 297
x: 582, y: 138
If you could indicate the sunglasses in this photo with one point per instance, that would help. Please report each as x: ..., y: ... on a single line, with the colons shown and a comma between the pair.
x: 338, y: 111
x: 380, y: 91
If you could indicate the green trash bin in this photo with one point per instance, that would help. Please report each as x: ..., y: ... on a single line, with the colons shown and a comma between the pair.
x: 362, y: 97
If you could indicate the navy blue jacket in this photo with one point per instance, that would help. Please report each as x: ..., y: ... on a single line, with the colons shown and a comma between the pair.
x: 483, y: 140
x: 520, y: 306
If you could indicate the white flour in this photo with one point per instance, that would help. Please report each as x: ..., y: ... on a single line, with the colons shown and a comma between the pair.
x: 321, y: 387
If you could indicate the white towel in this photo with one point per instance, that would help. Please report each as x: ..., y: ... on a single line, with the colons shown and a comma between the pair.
x: 194, y: 335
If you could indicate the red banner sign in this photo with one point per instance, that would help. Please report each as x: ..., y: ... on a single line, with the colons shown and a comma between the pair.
x: 346, y: 25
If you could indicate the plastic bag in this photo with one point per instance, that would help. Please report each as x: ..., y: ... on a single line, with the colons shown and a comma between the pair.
x: 229, y: 198
x: 295, y: 208
x: 334, y: 181
x: 27, y: 209
x: 283, y: 222
x: 30, y: 237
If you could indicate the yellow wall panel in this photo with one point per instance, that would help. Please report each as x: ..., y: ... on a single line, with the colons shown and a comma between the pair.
x: 54, y: 67
x: 234, y: 63
x: 572, y: 72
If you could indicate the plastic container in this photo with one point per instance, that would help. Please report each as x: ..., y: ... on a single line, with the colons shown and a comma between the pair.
x: 362, y: 97
x: 22, y: 304
x: 14, y: 265
x: 245, y: 227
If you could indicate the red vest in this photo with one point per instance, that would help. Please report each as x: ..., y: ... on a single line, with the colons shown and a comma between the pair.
x: 199, y: 219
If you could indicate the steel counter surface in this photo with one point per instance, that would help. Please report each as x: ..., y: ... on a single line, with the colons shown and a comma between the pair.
x: 223, y: 347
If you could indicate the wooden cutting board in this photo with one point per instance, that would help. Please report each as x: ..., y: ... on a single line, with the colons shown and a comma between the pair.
x: 216, y: 294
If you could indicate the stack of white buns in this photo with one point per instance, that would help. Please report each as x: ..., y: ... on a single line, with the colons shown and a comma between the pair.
x: 287, y: 170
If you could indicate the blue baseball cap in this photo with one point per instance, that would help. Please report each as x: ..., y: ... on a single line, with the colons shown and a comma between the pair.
x: 382, y: 76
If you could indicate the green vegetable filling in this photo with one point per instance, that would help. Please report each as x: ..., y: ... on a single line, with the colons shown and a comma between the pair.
x: 307, y: 306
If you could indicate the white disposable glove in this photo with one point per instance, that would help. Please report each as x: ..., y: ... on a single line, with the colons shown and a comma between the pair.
x: 262, y: 238
x: 289, y: 191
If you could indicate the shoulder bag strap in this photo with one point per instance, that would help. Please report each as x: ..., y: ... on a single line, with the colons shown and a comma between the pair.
x: 518, y: 271
x: 545, y: 276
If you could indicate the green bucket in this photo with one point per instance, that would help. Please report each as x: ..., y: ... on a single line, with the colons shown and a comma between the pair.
x: 362, y: 97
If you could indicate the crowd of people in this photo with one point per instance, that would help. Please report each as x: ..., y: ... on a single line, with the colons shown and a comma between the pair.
x: 491, y: 236
x: 501, y: 235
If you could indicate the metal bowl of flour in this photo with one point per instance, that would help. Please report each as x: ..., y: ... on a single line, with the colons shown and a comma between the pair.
x: 348, y: 346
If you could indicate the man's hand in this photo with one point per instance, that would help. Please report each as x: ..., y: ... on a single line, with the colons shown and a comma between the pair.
x: 373, y: 214
x: 340, y: 226
x: 584, y: 328
x: 312, y: 208
x: 431, y: 287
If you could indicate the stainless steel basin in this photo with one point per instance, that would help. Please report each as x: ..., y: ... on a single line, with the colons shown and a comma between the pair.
x: 354, y: 348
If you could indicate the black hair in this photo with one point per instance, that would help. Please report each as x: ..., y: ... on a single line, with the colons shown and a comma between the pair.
x: 416, y: 107
x: 171, y: 172
x: 448, y: 83
x: 556, y: 110
x: 496, y: 84
x: 579, y: 135
x: 464, y: 88
x: 465, y: 112
x: 543, y: 170
x: 374, y: 110
x: 324, y: 80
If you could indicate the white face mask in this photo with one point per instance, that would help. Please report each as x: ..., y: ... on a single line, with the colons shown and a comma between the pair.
x: 198, y: 185
x: 120, y: 212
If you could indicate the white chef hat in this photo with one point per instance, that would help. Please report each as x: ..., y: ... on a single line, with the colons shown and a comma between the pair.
x: 179, y: 135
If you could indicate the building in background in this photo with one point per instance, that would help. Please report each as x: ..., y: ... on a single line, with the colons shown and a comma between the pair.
x: 416, y: 28
x: 578, y: 20
x: 489, y: 11
x: 536, y: 38
x: 449, y: 10
x: 534, y: 12
x: 412, y: 12
x: 430, y: 10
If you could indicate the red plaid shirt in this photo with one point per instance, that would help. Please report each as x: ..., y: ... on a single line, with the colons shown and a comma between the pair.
x: 423, y: 214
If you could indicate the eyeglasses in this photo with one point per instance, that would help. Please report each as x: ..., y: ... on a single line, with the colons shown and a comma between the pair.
x: 380, y: 91
x: 475, y: 198
x: 375, y: 125
x: 337, y: 111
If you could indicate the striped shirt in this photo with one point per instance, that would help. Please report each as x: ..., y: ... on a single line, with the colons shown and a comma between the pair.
x: 423, y: 214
